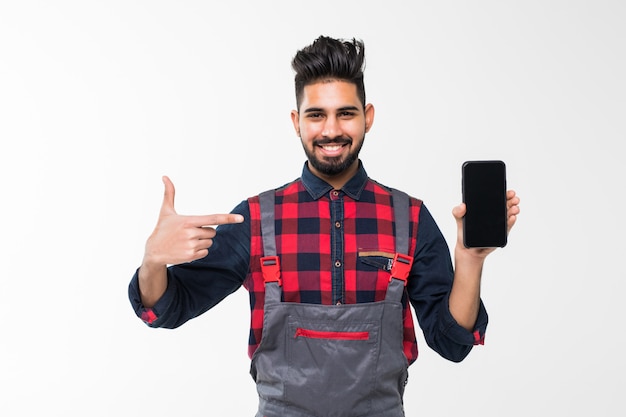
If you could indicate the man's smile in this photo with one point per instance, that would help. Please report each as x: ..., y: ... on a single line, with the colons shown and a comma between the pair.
x: 332, y: 150
x: 334, y: 147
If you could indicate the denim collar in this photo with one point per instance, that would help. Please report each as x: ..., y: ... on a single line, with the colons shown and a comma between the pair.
x: 317, y: 187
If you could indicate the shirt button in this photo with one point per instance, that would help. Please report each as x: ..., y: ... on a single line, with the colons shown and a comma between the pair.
x: 337, y: 264
x: 337, y: 225
x: 335, y: 193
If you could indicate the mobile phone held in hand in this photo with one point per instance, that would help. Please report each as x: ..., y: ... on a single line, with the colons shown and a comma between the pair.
x: 484, y: 194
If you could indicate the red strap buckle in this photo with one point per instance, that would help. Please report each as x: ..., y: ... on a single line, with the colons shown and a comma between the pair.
x: 401, y: 267
x: 270, y: 266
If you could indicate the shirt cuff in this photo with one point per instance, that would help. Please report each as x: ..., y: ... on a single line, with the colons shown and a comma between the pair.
x: 452, y: 330
x: 152, y: 316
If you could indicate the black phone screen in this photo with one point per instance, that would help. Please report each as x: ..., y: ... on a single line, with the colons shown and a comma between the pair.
x: 484, y: 194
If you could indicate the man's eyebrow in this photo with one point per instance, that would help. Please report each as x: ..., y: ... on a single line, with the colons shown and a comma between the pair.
x: 348, y: 108
x: 321, y: 110
x: 314, y: 110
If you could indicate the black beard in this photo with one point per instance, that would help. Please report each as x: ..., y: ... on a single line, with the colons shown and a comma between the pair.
x: 332, y: 166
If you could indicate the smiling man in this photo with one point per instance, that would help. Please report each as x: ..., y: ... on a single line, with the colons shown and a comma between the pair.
x: 333, y: 262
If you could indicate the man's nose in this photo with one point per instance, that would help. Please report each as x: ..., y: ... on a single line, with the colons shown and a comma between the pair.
x: 332, y: 128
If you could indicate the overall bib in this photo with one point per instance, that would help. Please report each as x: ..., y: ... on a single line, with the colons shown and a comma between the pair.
x: 332, y: 360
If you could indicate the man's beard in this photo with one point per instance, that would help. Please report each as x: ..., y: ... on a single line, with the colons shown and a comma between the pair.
x: 334, y: 165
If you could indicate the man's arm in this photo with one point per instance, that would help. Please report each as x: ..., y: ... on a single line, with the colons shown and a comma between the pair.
x: 464, y: 299
x: 152, y: 283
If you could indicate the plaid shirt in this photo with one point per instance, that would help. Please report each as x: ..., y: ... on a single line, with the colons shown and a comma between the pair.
x: 334, y: 247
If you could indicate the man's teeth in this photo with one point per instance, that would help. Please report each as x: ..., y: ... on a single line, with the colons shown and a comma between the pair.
x: 332, y: 147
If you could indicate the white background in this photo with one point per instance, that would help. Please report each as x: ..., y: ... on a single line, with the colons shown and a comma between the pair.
x: 98, y: 100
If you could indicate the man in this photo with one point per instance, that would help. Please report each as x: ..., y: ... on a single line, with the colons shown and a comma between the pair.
x: 332, y: 262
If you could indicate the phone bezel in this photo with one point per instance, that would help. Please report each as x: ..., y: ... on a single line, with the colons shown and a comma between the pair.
x: 497, y: 236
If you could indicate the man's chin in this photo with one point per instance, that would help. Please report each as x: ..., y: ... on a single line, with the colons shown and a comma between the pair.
x: 331, y: 166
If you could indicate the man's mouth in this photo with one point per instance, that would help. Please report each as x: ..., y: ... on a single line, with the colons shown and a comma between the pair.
x: 332, y: 149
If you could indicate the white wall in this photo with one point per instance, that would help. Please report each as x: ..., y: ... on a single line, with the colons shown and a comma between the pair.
x: 99, y: 99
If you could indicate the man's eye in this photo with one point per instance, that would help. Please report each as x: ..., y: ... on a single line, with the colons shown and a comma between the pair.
x: 346, y: 114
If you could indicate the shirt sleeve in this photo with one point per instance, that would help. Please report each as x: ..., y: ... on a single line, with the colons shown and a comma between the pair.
x: 429, y: 289
x: 195, y: 287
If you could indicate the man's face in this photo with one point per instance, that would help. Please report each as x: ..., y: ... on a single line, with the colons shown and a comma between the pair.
x: 332, y: 125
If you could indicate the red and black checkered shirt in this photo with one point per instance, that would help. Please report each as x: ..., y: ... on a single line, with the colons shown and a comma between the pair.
x: 334, y: 248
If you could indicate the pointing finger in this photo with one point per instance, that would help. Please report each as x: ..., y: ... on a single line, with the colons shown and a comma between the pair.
x: 215, y: 219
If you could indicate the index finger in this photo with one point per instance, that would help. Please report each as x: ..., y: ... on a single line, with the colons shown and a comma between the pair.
x: 215, y: 219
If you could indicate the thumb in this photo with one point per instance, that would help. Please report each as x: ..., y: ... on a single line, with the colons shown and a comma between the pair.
x: 167, y: 207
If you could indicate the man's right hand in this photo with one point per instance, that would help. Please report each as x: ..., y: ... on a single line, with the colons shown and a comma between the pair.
x: 176, y: 239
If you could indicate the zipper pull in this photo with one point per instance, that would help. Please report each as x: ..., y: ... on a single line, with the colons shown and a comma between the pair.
x: 389, y: 265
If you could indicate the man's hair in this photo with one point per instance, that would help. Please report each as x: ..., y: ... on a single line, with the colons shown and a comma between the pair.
x: 330, y: 59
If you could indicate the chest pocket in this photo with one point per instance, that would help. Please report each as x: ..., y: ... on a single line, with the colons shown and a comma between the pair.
x: 376, y: 259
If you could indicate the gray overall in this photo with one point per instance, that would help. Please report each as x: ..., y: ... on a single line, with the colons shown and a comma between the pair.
x: 331, y: 360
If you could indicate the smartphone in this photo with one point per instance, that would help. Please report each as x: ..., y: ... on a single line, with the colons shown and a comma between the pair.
x: 484, y: 194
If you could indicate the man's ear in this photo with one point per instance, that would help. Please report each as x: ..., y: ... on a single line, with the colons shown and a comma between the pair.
x: 295, y: 119
x: 369, y: 116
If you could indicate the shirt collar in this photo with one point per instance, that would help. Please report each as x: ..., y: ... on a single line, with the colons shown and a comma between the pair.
x: 317, y: 187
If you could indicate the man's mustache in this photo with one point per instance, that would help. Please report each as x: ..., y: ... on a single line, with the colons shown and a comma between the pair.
x: 336, y: 141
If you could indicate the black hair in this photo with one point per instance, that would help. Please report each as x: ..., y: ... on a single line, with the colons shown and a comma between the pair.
x: 329, y: 58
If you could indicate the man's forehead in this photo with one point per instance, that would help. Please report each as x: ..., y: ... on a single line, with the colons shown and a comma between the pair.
x: 330, y: 92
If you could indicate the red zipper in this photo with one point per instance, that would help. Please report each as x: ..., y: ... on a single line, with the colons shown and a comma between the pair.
x: 319, y: 334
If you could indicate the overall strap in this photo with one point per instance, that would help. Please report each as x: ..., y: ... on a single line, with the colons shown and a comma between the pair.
x: 402, y: 261
x: 266, y: 203
x: 270, y: 264
x: 401, y: 214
